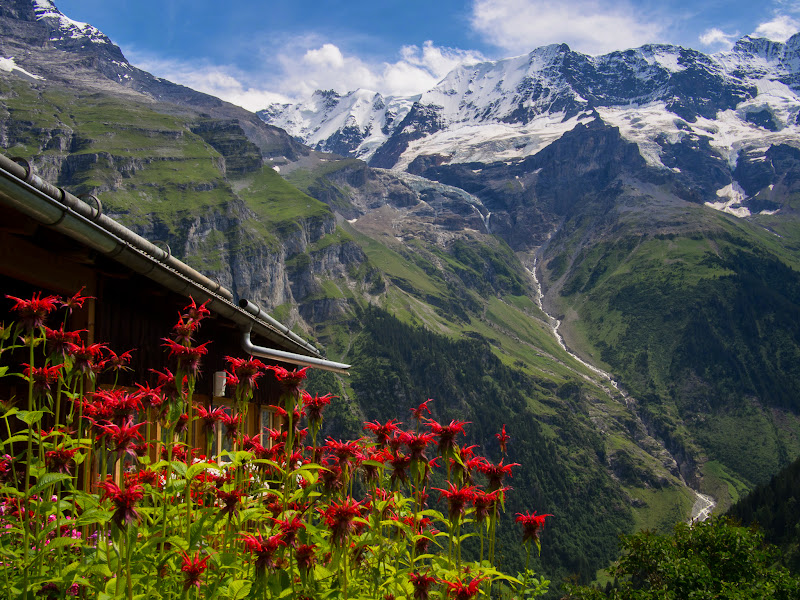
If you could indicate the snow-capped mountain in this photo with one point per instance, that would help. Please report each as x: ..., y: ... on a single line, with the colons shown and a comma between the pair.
x: 742, y: 100
x: 65, y: 28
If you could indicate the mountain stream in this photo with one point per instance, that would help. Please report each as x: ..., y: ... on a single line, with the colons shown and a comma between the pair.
x: 704, y: 504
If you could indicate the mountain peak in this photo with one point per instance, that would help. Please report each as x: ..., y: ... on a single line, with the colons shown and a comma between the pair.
x: 516, y: 106
x: 63, y: 27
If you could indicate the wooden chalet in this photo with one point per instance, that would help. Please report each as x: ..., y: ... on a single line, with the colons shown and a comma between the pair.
x: 57, y: 243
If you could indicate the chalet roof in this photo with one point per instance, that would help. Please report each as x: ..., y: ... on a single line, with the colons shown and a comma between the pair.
x: 53, y: 207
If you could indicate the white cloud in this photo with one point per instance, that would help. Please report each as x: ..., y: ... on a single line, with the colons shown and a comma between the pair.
x: 590, y: 26
x: 718, y: 39
x: 328, y: 56
x: 779, y: 29
x: 305, y: 65
x: 224, y: 82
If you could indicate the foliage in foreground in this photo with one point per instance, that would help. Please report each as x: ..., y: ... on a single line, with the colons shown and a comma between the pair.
x: 774, y: 508
x: 713, y: 559
x: 271, y: 518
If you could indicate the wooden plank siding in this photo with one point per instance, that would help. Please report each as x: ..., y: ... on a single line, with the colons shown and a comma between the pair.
x: 129, y: 312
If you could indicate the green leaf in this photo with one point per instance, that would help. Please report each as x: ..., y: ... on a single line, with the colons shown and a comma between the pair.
x: 47, y: 480
x: 321, y: 572
x: 238, y: 589
x: 14, y: 439
x: 61, y: 542
x: 179, y: 467
x: 198, y: 468
x: 92, y: 516
x: 29, y: 417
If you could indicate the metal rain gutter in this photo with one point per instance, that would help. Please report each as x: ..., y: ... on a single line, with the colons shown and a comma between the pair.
x: 290, y: 357
x: 60, y: 210
x: 254, y: 310
x: 96, y: 215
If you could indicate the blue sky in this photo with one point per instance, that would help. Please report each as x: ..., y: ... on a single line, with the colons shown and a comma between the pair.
x: 253, y: 52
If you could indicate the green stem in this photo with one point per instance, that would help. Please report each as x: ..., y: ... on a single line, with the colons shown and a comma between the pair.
x: 128, y: 552
x: 28, y: 459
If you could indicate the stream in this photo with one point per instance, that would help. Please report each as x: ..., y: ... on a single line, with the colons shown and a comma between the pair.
x: 704, y: 504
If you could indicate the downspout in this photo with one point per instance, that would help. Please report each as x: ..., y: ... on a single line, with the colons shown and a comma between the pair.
x: 290, y: 357
x: 254, y: 310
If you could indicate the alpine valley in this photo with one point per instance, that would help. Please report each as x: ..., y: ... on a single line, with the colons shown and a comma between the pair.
x: 603, y: 253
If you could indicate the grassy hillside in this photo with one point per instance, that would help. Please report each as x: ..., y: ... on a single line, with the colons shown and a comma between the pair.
x: 701, y: 321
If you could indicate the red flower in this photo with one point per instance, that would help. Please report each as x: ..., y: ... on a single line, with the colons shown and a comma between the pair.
x: 417, y: 412
x: 344, y: 451
x: 495, y: 473
x: 181, y: 423
x: 289, y: 380
x: 289, y: 528
x: 43, y: 377
x: 123, y: 436
x: 211, y: 417
x: 194, y: 312
x: 263, y: 549
x: 503, y: 438
x: 188, y: 356
x: 230, y: 501
x: 231, y: 423
x: 124, y: 501
x: 400, y: 462
x: 76, y: 301
x: 332, y: 478
x: 60, y: 459
x: 183, y: 331
x: 193, y: 568
x: 304, y: 555
x: 314, y: 405
x: 459, y: 591
x: 483, y: 501
x: 116, y: 405
x: 87, y: 358
x: 340, y: 518
x: 118, y: 362
x: 416, y: 443
x: 151, y: 396
x: 457, y: 498
x: 383, y: 432
x: 421, y: 583
x: 60, y: 341
x: 447, y: 435
x: 531, y: 525
x: 33, y: 312
x: 166, y: 383
x: 246, y: 372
